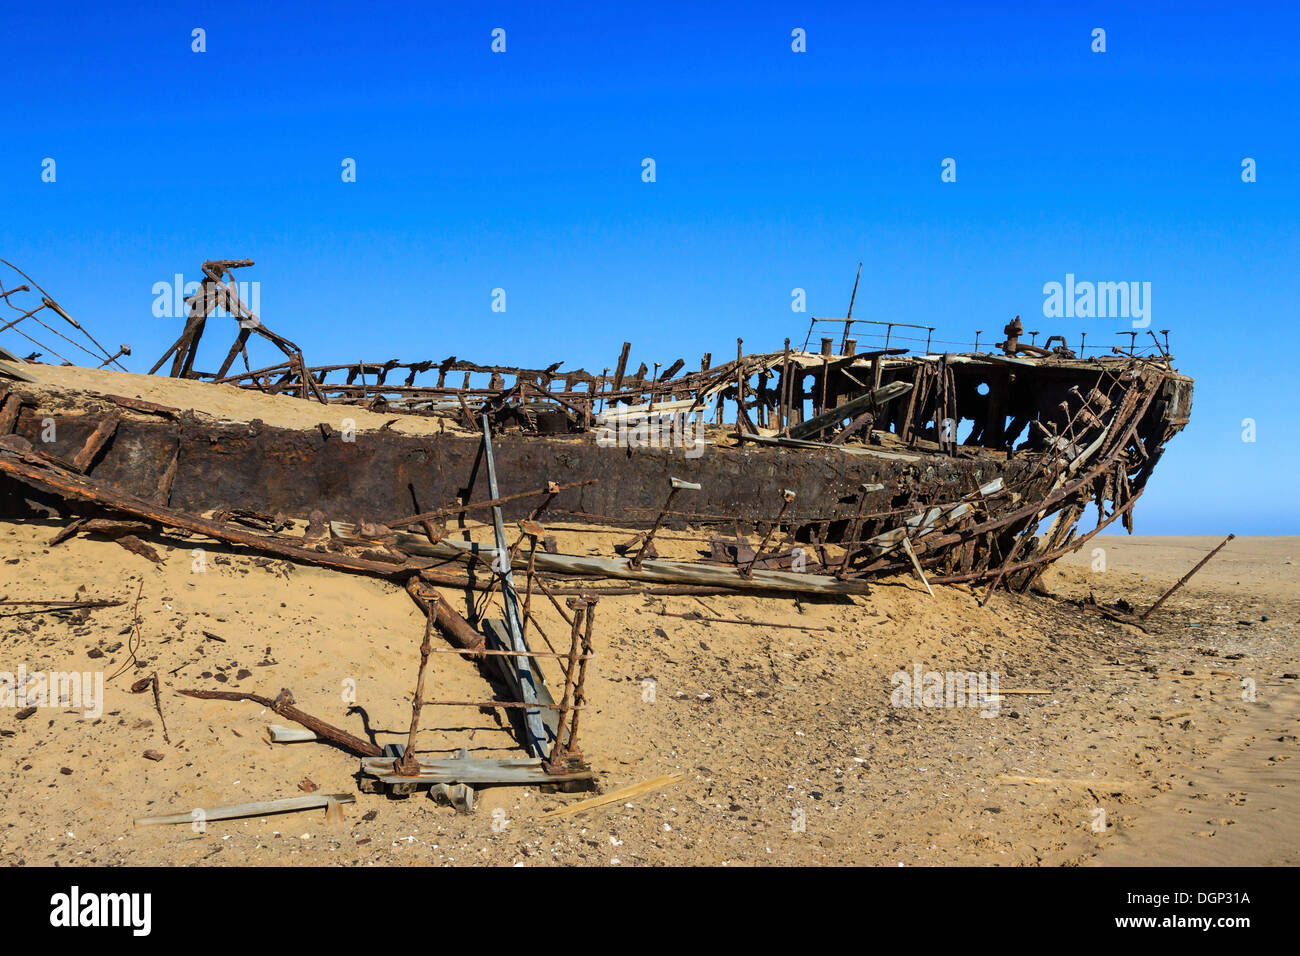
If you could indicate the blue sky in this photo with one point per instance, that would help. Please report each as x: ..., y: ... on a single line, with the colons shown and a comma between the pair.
x: 774, y: 170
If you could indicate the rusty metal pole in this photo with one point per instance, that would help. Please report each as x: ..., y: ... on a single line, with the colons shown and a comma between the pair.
x: 1183, y: 580
x: 848, y: 319
x: 740, y: 385
x: 854, y: 529
x: 559, y: 751
x: 579, y: 687
x: 645, y: 545
x: 826, y: 380
x: 785, y: 389
x: 122, y: 350
x: 407, y: 765
x: 533, y: 530
x: 787, y: 496
x: 677, y: 485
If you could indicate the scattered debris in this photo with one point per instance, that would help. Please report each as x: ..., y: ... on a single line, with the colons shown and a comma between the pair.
x: 1186, y: 577
x: 283, y: 704
x: 147, y: 683
x: 616, y: 796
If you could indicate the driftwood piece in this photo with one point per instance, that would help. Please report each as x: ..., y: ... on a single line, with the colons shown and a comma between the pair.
x: 65, y: 605
x: 102, y: 526
x: 54, y: 607
x: 1109, y: 786
x: 283, y: 705
x: 67, y: 531
x: 115, y: 529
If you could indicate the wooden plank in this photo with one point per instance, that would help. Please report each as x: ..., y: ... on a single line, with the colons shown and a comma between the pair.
x: 916, y: 564
x: 265, y: 808
x: 621, y: 369
x: 471, y: 770
x: 616, y: 796
x: 1035, y: 691
x: 656, y: 570
x: 11, y: 370
x: 850, y: 409
x: 930, y: 520
x: 844, y: 449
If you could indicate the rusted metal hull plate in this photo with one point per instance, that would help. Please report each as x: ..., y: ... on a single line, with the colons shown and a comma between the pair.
x: 382, y: 475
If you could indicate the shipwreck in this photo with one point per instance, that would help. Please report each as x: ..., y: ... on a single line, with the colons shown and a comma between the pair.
x: 966, y: 466
x: 814, y: 468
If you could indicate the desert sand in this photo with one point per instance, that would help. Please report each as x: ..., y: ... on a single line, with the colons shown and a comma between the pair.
x: 791, y: 750
x: 1171, y: 746
x: 64, y: 388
